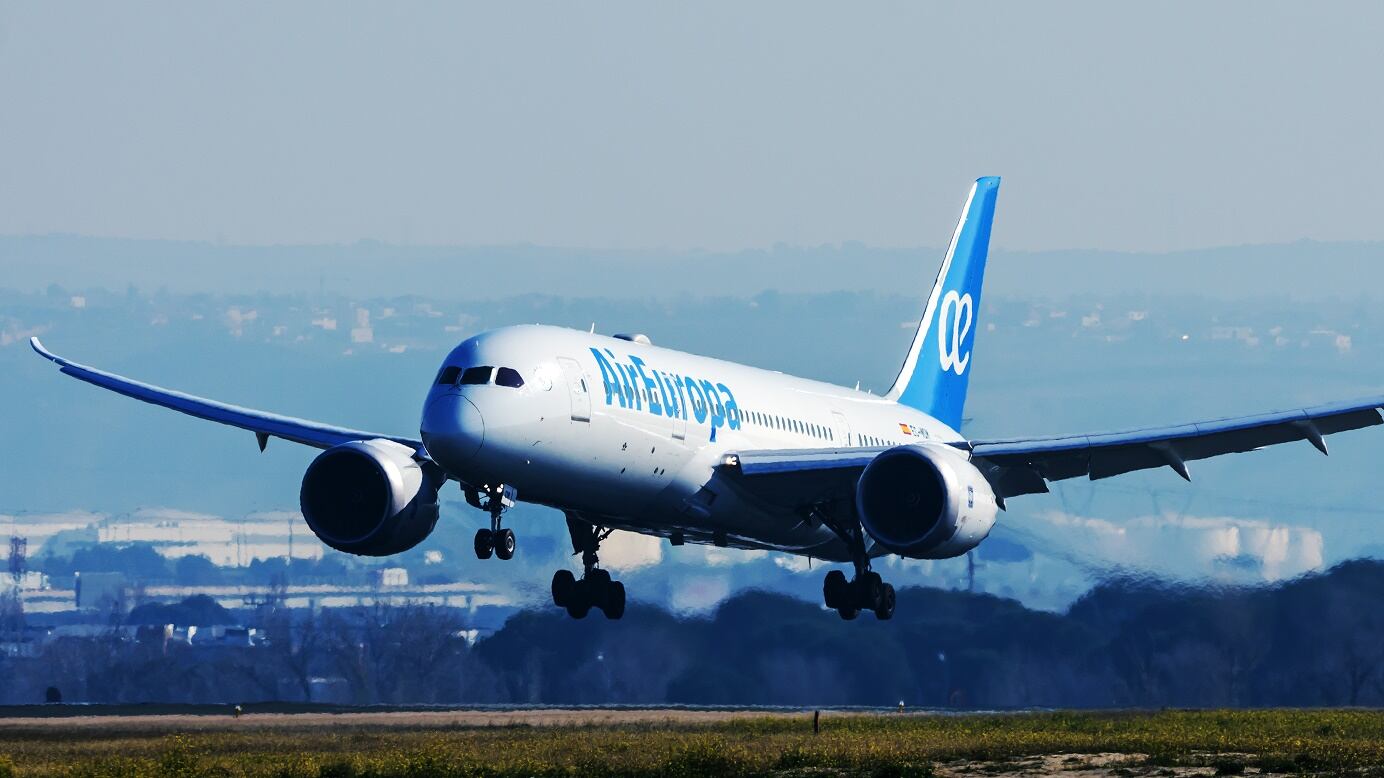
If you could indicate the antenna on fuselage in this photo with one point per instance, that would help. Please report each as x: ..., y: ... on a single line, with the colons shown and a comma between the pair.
x: 593, y: 328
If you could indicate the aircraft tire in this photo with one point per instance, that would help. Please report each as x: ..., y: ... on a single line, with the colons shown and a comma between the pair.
x: 579, y: 603
x: 564, y: 587
x: 848, y: 613
x: 613, y: 605
x: 835, y: 589
x: 884, y: 611
x: 869, y: 591
x: 504, y: 543
x: 484, y: 543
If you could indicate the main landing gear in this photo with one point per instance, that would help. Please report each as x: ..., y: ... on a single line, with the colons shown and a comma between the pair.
x: 866, y: 591
x: 497, y: 540
x: 594, y: 589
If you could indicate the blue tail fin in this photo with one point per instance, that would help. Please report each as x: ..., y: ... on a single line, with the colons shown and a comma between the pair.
x: 936, y: 371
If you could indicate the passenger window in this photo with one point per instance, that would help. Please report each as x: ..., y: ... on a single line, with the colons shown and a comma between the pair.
x: 476, y: 375
x: 508, y: 376
x: 449, y: 375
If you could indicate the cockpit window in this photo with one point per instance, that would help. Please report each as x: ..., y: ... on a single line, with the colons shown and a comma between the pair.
x: 477, y: 375
x: 508, y: 376
x: 449, y: 375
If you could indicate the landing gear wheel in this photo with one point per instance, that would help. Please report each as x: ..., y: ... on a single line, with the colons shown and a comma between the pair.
x: 869, y: 591
x: 884, y: 611
x: 614, y: 605
x: 835, y: 589
x: 564, y: 587
x: 484, y: 543
x: 504, y: 543
x: 579, y: 605
x: 848, y: 614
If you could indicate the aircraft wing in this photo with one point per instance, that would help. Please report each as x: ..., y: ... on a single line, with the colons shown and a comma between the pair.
x: 1025, y: 465
x: 1022, y: 466
x: 264, y: 425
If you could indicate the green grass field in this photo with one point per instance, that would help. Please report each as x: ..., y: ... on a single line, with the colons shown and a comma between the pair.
x: 1167, y: 743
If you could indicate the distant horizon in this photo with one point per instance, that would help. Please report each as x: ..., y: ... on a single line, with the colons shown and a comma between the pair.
x: 1340, y: 269
x: 997, y: 247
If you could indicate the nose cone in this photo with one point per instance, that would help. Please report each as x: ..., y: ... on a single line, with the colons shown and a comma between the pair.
x: 452, y: 429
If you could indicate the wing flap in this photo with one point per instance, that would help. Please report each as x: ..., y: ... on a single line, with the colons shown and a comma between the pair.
x: 263, y: 424
x: 801, y: 460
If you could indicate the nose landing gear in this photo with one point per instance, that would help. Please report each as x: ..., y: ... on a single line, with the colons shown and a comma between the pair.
x: 594, y: 589
x: 497, y: 540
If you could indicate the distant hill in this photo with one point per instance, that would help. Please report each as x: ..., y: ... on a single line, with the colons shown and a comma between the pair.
x: 1302, y: 270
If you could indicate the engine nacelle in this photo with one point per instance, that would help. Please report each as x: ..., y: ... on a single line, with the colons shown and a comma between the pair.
x: 369, y: 497
x: 925, y: 501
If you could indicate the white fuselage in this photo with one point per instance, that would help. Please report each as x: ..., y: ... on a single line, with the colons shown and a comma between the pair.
x: 629, y: 435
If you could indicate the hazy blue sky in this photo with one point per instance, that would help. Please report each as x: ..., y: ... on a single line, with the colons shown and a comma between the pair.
x: 727, y: 125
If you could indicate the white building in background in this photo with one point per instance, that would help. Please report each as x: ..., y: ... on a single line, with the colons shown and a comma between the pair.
x: 99, y: 590
x: 29, y: 581
x: 362, y: 332
x: 390, y: 577
x: 173, y: 533
x: 226, y: 542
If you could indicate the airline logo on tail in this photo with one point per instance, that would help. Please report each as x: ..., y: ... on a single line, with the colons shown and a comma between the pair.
x: 954, y: 319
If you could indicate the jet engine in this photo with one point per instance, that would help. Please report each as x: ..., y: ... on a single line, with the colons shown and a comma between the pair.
x: 369, y: 497
x: 925, y: 501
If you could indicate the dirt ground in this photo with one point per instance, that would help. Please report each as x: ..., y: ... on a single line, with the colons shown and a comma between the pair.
x: 1078, y: 766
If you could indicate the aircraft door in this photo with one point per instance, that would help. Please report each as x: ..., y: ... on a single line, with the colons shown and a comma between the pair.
x: 842, y: 429
x: 577, y: 389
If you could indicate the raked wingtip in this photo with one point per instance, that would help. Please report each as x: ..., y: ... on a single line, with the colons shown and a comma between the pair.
x: 38, y: 348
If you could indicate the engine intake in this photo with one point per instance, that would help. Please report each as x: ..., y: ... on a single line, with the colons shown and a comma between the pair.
x: 925, y: 502
x: 369, y: 497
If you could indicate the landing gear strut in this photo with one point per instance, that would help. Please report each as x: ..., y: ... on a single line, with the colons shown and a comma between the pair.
x: 594, y: 589
x: 497, y: 540
x: 866, y: 591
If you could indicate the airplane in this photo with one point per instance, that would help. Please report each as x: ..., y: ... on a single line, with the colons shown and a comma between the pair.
x: 620, y: 434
